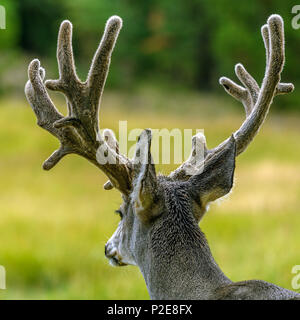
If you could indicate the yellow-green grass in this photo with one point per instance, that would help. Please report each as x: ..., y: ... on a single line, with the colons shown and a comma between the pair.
x: 53, y: 225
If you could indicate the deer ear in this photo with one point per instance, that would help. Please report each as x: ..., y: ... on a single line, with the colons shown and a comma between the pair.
x: 216, y: 179
x: 144, y: 194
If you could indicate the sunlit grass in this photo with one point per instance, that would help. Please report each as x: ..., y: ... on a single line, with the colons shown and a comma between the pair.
x: 54, y: 225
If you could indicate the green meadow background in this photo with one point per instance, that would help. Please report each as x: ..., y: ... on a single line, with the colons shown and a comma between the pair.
x: 54, y: 225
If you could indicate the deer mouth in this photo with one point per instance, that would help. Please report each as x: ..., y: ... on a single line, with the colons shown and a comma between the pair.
x: 113, y: 256
x: 116, y: 262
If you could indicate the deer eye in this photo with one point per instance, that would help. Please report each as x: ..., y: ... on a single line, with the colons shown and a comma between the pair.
x: 119, y: 212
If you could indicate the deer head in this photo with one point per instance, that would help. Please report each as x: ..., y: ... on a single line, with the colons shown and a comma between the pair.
x: 158, y: 229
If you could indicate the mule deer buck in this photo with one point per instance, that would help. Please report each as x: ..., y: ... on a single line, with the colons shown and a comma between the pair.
x: 159, y: 229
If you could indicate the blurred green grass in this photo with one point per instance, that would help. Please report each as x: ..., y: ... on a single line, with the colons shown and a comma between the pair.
x: 54, y: 225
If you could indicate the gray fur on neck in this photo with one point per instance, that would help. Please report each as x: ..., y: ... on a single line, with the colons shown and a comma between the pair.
x: 178, y: 263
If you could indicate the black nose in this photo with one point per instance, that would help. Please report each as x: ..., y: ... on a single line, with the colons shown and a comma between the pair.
x: 105, y: 249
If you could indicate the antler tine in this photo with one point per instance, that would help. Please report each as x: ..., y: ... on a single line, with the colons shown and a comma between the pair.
x: 193, y: 164
x: 237, y: 92
x: 101, y: 61
x: 282, y: 88
x: 79, y: 131
x: 113, y: 144
x: 111, y: 140
x: 37, y: 94
x: 256, y: 100
x: 266, y: 38
x: 44, y: 108
x: 65, y: 58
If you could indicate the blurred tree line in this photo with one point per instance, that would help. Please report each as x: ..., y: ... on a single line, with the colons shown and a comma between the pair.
x: 190, y: 43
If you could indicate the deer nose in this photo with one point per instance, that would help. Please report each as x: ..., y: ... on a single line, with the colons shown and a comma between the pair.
x: 106, y: 250
x: 109, y: 250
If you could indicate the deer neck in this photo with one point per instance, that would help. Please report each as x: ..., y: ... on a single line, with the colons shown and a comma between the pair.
x: 191, y: 273
x: 178, y: 263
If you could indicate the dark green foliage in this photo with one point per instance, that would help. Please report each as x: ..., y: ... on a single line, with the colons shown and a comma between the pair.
x: 38, y: 24
x: 9, y: 36
x: 191, y: 43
